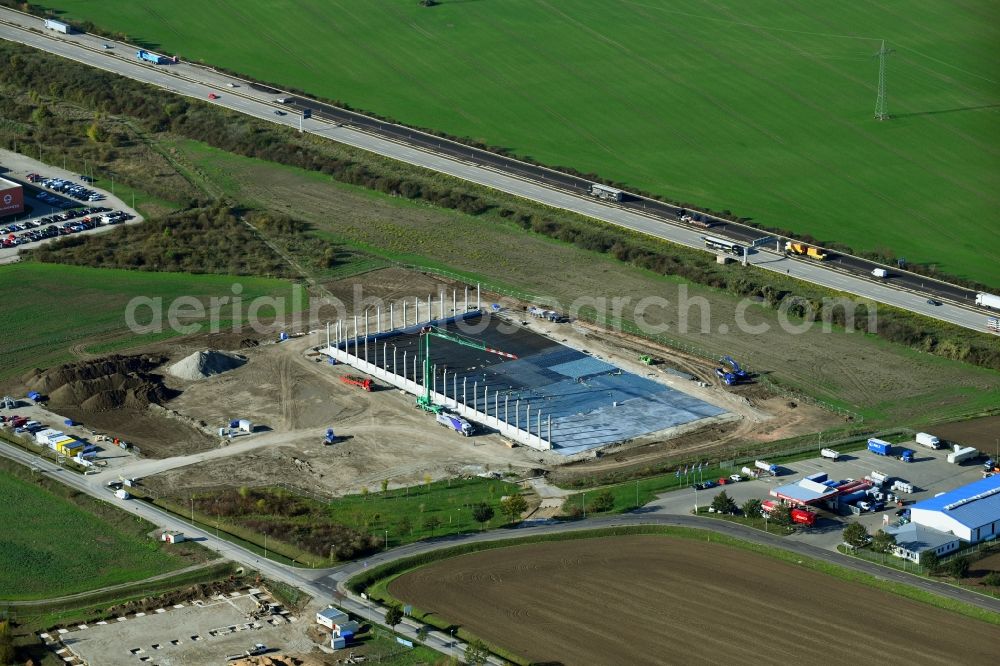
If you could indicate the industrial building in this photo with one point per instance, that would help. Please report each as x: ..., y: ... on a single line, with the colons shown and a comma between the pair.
x: 11, y: 198
x: 971, y: 513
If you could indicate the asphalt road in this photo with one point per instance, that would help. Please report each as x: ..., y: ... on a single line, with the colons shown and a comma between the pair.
x: 327, y: 584
x: 845, y: 274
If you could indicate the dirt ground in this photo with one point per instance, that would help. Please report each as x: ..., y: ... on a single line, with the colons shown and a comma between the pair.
x: 583, y: 602
x: 293, y: 396
x: 983, y: 433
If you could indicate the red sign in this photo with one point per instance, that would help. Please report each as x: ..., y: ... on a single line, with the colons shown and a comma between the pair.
x: 11, y: 201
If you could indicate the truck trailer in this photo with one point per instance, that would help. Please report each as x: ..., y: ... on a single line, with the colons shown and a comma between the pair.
x: 988, y: 301
x: 155, y: 58
x: 767, y: 467
x: 928, y: 440
x: 879, y: 447
x: 962, y: 453
x: 455, y: 422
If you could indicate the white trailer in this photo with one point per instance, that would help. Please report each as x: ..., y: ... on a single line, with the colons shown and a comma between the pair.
x: 58, y: 26
x: 830, y: 453
x: 988, y: 301
x: 962, y: 453
x: 928, y: 440
x: 606, y: 193
x: 878, y: 478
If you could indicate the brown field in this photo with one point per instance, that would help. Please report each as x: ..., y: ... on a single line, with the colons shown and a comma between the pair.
x: 654, y: 600
x: 982, y: 433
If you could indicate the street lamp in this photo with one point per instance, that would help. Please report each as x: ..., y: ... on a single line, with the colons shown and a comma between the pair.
x: 387, y: 539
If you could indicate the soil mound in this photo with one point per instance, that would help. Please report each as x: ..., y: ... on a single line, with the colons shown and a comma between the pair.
x: 202, y: 364
x: 113, y: 382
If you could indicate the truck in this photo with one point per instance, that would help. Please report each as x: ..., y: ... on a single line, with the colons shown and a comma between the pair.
x: 906, y: 455
x: 878, y: 478
x: 155, y: 58
x: 928, y: 440
x: 879, y: 447
x: 799, y: 516
x: 880, y: 273
x: 361, y: 382
x: 803, y: 250
x: 830, y: 453
x: 767, y: 467
x: 455, y: 422
x: 962, y: 453
x: 985, y: 300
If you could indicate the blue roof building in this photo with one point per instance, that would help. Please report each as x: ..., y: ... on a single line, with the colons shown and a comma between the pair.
x: 972, y: 512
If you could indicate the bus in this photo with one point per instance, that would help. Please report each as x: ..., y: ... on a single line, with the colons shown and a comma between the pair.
x: 605, y: 192
x: 722, y: 245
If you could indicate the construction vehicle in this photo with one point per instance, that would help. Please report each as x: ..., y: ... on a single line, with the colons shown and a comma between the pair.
x: 354, y: 380
x: 739, y: 372
x: 803, y: 250
x: 648, y: 360
x: 329, y: 438
x: 727, y: 377
x: 425, y: 401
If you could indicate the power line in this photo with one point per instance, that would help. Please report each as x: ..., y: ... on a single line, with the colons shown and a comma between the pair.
x: 881, y: 104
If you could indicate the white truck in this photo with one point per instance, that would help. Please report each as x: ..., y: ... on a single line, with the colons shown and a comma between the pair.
x: 880, y: 273
x: 830, y: 453
x: 928, y: 440
x: 962, y: 453
x: 456, y: 423
x: 988, y: 301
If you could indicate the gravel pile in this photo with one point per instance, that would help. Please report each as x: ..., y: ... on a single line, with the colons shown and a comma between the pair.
x: 202, y: 364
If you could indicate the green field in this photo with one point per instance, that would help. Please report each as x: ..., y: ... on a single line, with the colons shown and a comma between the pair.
x: 58, y: 547
x: 55, y: 308
x: 762, y: 107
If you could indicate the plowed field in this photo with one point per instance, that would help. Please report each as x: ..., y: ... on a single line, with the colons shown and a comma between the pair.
x: 655, y: 600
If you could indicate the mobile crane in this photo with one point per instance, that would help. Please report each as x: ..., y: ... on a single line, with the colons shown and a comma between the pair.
x: 427, y: 332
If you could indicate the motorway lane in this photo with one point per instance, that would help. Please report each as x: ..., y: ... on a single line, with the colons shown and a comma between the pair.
x: 479, y: 167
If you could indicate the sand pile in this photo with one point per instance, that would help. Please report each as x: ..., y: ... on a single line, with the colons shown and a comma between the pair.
x: 202, y: 364
x: 103, y: 384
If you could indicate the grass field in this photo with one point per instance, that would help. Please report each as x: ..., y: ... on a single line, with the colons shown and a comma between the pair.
x: 883, y: 382
x: 759, y: 107
x: 540, y: 601
x: 60, y: 547
x: 86, y: 306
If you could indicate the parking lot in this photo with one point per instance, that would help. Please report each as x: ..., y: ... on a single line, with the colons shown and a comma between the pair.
x: 57, y: 203
x: 930, y: 474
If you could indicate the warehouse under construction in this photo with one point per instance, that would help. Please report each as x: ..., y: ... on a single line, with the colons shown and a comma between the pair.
x: 491, y: 370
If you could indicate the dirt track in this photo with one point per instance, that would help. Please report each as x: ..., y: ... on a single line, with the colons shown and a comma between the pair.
x: 651, y: 600
x: 981, y: 433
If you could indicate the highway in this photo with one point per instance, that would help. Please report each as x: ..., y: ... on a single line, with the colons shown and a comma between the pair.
x: 841, y: 273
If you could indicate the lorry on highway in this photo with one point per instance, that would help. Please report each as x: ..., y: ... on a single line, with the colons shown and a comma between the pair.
x: 155, y: 58
x: 880, y: 273
x: 606, y: 193
x: 928, y: 440
x: 830, y: 453
x: 962, y: 453
x: 456, y: 423
x: 803, y: 250
x: 988, y: 301
x: 879, y: 447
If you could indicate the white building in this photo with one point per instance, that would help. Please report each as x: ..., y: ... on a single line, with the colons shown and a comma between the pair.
x: 913, y: 541
x: 328, y: 617
x: 971, y: 513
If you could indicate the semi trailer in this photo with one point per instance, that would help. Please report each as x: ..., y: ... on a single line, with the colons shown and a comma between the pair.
x: 988, y: 301
x: 456, y: 423
x: 155, y: 58
x: 962, y: 453
x: 879, y: 447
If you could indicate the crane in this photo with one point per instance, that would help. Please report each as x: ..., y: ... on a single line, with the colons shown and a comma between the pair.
x: 427, y: 332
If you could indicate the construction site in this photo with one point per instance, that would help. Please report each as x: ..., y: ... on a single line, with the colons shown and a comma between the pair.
x: 308, y: 410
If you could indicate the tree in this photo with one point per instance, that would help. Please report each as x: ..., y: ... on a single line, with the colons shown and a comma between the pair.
x: 513, y: 506
x: 393, y: 616
x: 723, y: 503
x: 751, y: 508
x: 602, y: 502
x: 364, y: 492
x: 482, y: 513
x: 959, y: 567
x: 431, y: 523
x: 781, y: 515
x: 883, y: 542
x: 6, y: 643
x: 385, y: 485
x: 476, y: 653
x: 930, y: 561
x: 422, y: 632
x: 405, y: 525
x: 855, y: 535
